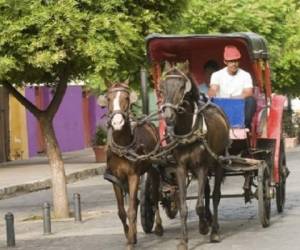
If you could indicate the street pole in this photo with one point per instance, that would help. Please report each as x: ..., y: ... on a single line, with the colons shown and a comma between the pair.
x: 46, y: 218
x: 77, y: 207
x: 10, y: 230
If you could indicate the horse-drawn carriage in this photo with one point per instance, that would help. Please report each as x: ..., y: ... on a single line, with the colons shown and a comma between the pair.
x: 193, y: 133
x: 260, y: 151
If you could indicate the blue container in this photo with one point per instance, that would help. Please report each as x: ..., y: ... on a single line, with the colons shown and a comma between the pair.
x: 234, y: 109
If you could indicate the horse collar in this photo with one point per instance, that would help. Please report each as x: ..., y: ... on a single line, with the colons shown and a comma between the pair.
x: 119, y: 150
x: 198, y: 127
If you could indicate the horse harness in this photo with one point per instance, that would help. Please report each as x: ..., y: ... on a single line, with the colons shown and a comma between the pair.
x: 129, y: 152
x: 159, y: 153
x: 125, y: 114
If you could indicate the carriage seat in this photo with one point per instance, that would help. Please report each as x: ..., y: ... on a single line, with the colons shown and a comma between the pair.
x: 235, y: 112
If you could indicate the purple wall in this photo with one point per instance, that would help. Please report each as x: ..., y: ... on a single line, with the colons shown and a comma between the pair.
x: 32, y: 125
x: 68, y: 121
x: 97, y: 114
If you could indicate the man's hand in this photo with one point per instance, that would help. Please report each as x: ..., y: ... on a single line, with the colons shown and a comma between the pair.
x: 213, y: 90
x: 247, y: 92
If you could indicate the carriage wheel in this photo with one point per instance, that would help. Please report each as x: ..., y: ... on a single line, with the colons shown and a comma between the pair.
x: 280, y: 189
x: 147, y: 204
x: 264, y: 200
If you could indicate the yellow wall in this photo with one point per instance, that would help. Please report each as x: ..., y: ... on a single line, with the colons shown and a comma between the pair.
x: 18, y: 129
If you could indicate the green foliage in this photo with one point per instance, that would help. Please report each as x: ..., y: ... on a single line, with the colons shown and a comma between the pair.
x: 277, y: 20
x: 291, y: 124
x: 100, y: 136
x: 96, y: 41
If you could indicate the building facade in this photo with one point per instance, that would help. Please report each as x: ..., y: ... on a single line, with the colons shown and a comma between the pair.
x: 74, y: 123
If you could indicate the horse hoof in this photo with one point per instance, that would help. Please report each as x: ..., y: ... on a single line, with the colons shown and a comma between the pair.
x: 129, y: 247
x: 182, y: 246
x: 203, y: 228
x: 159, y: 230
x: 215, y: 238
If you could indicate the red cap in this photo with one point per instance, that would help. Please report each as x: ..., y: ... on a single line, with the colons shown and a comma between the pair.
x: 231, y: 53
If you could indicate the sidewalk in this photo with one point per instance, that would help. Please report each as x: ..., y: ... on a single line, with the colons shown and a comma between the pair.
x: 24, y: 176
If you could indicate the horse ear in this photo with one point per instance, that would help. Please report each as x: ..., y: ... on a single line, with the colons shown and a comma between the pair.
x: 188, y: 86
x: 127, y: 81
x: 167, y: 67
x: 102, y: 101
x: 186, y: 67
x: 133, y: 96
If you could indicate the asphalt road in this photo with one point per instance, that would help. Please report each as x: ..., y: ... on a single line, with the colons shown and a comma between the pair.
x: 101, y: 228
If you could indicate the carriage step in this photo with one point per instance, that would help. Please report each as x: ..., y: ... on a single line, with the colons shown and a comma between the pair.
x: 222, y: 196
x: 235, y: 163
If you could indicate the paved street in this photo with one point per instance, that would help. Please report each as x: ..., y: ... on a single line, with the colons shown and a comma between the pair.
x: 101, y: 228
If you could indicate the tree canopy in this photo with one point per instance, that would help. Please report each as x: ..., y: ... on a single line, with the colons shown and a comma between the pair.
x: 90, y: 39
x: 277, y: 20
x: 55, y: 41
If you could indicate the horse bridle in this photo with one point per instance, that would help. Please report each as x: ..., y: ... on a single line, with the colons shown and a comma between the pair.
x: 177, y: 107
x: 125, y: 114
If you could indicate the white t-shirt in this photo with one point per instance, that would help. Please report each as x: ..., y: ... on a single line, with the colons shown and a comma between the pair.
x: 231, y: 85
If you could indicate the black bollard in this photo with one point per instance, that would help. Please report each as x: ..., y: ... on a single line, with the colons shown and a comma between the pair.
x: 46, y: 218
x: 10, y: 230
x: 77, y: 207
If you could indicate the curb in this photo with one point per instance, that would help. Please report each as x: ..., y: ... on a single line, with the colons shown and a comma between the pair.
x: 21, y: 189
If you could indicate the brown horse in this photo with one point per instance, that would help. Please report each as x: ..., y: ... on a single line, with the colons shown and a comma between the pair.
x: 205, y: 130
x: 123, y: 172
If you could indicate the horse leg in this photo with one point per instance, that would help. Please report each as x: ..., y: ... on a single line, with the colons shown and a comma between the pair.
x: 121, y: 208
x: 158, y: 230
x: 207, y: 202
x: 200, y: 209
x: 133, y: 183
x: 215, y: 237
x: 181, y: 181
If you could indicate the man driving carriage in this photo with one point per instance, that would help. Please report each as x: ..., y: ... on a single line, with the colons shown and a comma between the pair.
x: 234, y: 82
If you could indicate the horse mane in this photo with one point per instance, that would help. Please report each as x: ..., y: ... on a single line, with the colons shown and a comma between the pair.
x: 193, y: 95
x: 118, y: 85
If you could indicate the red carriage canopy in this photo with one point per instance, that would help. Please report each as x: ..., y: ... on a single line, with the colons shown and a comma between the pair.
x: 198, y: 49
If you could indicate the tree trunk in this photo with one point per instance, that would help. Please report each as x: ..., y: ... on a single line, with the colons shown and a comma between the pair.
x: 45, y: 118
x: 59, y: 188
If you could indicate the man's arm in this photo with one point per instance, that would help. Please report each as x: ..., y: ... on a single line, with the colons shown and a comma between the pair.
x: 247, y: 92
x: 248, y: 86
x: 213, y: 90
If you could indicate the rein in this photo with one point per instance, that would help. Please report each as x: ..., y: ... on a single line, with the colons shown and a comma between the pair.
x: 111, y: 115
x: 129, y: 151
x: 125, y: 114
x: 198, y: 129
x: 197, y: 132
x: 177, y: 107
